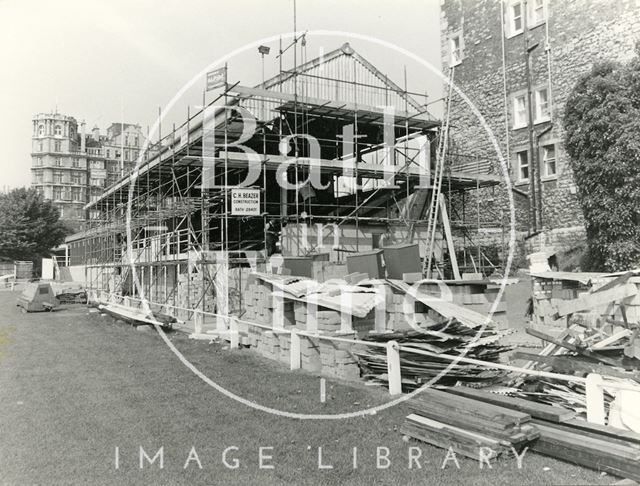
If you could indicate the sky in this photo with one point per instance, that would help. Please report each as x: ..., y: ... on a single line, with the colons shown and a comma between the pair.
x: 105, y: 61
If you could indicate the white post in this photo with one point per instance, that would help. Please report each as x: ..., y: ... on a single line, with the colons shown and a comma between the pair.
x: 294, y: 351
x: 234, y: 335
x: 393, y: 368
x: 197, y: 321
x: 595, y: 399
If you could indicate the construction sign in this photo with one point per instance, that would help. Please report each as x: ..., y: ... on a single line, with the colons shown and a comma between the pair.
x: 216, y: 78
x: 245, y: 202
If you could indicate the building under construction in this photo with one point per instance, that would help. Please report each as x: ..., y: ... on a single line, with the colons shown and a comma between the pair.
x: 320, y: 162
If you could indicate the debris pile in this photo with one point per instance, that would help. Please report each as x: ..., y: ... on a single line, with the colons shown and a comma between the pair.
x: 450, y: 337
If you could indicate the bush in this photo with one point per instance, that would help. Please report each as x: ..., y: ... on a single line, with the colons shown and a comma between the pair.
x: 602, y: 138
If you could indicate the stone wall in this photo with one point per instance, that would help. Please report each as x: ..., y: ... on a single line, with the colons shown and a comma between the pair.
x: 575, y: 35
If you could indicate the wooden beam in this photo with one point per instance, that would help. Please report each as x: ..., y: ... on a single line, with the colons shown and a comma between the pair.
x: 448, y: 237
x: 596, y: 299
x: 535, y: 409
x: 574, y: 348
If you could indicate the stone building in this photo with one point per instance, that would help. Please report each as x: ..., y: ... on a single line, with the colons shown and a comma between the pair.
x: 71, y: 167
x: 487, y: 44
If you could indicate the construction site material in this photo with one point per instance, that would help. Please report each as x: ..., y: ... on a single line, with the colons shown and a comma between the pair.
x: 369, y: 263
x: 400, y: 259
x: 72, y: 297
x: 534, y: 409
x: 23, y: 270
x: 299, y: 266
x: 37, y: 297
x: 450, y: 337
x: 467, y: 425
x: 603, y: 452
x: 468, y: 419
x: 137, y: 316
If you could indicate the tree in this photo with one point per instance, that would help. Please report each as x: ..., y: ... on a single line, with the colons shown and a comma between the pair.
x: 602, y: 138
x: 29, y: 226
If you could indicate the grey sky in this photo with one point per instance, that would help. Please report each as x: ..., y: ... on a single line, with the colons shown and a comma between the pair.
x: 92, y: 59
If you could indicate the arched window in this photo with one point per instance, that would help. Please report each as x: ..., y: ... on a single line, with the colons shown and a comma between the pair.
x: 40, y: 130
x: 57, y: 130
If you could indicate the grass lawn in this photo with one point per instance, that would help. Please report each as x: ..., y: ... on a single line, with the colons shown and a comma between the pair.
x: 76, y: 385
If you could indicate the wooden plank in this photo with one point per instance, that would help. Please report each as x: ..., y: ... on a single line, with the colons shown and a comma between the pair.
x: 442, y: 440
x: 586, y: 451
x: 534, y: 409
x: 575, y: 349
x: 571, y: 364
x: 602, y: 432
x: 612, y: 339
x: 596, y: 299
x: 434, y: 424
x: 472, y: 405
x: 449, y: 238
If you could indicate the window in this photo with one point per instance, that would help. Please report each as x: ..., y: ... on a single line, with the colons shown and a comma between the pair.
x: 538, y: 14
x: 75, y: 193
x: 57, y: 162
x: 542, y: 105
x: 519, y: 111
x: 108, y: 154
x: 75, y: 178
x: 58, y: 146
x: 75, y: 163
x: 57, y: 177
x: 126, y: 155
x: 38, y: 161
x: 57, y: 193
x: 515, y: 18
x: 456, y: 47
x: 135, y: 141
x: 57, y: 130
x: 522, y: 159
x: 40, y: 130
x: 39, y: 178
x: 549, y: 160
x: 39, y: 146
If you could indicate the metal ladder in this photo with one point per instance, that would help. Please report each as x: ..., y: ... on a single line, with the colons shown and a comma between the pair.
x: 432, y: 220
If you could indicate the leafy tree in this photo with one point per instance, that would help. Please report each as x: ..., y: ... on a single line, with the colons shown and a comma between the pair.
x: 29, y: 225
x: 602, y: 138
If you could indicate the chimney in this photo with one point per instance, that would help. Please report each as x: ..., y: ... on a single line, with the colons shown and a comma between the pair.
x: 83, y: 142
x: 95, y: 133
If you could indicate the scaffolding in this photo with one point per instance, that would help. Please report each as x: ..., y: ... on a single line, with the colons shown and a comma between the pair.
x: 355, y: 171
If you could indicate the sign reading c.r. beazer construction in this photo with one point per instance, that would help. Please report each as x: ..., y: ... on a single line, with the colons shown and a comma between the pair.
x: 245, y: 202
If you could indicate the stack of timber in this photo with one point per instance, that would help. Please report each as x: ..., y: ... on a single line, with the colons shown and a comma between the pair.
x: 564, y: 436
x: 448, y: 337
x: 470, y: 427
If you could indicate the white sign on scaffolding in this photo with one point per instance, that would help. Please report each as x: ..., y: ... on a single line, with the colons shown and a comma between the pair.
x: 245, y: 202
